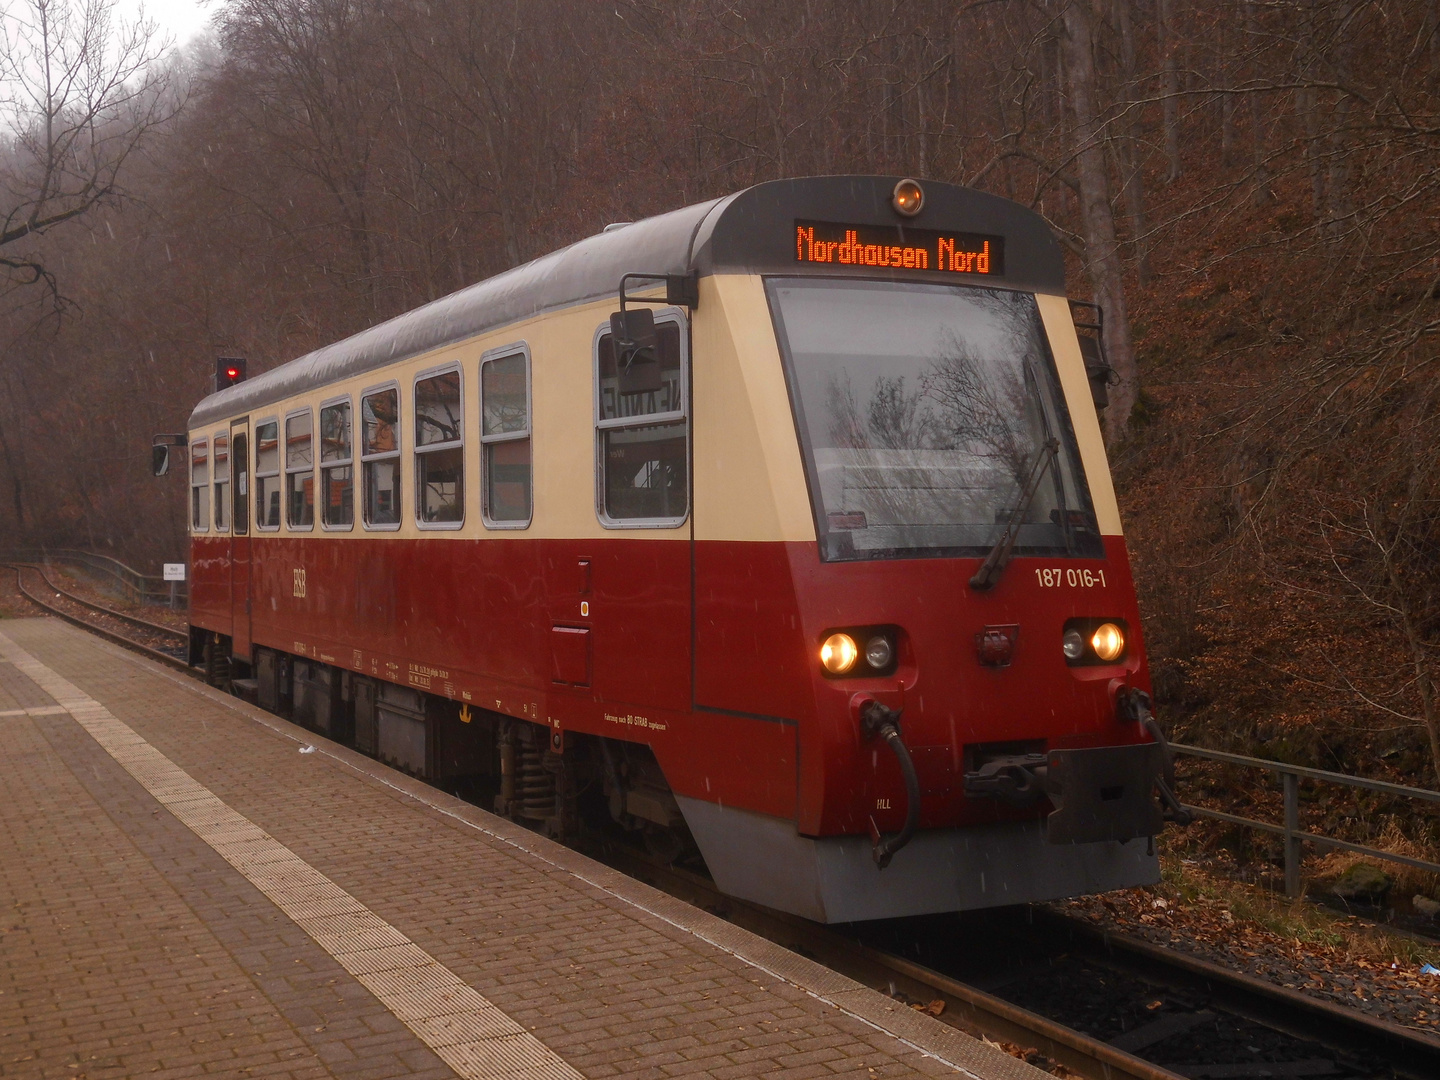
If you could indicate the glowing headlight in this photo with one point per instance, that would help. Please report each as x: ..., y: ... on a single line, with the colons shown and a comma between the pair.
x: 1073, y: 644
x: 839, y: 653
x: 879, y: 652
x: 1108, y: 641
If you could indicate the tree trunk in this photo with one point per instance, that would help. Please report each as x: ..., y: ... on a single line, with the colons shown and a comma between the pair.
x: 1419, y: 659
x: 1310, y: 112
x: 1097, y: 218
x: 17, y: 488
x: 1432, y: 31
x: 1338, y: 175
x: 1227, y: 128
x: 1170, y: 86
x: 1128, y: 147
x: 1261, y: 171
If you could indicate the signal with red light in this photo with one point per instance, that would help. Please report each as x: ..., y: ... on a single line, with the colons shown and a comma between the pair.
x: 229, y: 370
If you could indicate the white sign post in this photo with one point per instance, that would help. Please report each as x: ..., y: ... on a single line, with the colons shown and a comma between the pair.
x: 174, y: 571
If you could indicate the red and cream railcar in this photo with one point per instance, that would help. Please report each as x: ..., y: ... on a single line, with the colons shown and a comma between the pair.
x: 742, y: 579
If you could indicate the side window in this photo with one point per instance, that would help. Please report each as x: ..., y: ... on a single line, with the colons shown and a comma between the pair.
x: 439, y: 455
x: 505, y: 438
x: 267, y: 475
x: 337, y: 476
x: 200, y: 486
x: 222, y: 481
x: 380, y: 455
x: 642, y: 435
x: 299, y: 471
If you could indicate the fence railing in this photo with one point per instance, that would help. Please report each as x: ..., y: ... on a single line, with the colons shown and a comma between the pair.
x: 138, y: 588
x: 1290, y: 777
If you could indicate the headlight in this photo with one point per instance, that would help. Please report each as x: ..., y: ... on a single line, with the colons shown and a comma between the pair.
x: 1108, y: 641
x: 879, y: 652
x: 839, y: 653
x: 1073, y: 644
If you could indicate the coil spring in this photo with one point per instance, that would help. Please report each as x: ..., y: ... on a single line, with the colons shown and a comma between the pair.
x: 536, y: 784
x: 217, y: 665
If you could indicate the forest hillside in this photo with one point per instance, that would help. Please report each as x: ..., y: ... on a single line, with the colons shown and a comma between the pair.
x: 1250, y: 189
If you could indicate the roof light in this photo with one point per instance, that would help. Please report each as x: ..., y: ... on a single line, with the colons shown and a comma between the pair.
x: 909, y: 198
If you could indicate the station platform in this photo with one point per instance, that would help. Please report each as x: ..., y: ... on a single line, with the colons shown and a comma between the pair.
x: 186, y: 891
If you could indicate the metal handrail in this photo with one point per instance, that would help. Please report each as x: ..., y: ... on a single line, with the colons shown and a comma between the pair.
x: 139, y: 588
x: 1290, y: 776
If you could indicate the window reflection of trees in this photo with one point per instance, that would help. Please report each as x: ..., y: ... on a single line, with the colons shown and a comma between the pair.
x: 954, y: 446
x: 437, y: 409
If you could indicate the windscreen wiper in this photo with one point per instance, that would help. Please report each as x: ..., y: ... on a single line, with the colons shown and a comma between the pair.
x: 995, y: 562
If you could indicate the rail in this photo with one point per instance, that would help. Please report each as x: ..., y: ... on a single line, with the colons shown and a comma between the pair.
x: 1290, y: 831
x: 138, y: 588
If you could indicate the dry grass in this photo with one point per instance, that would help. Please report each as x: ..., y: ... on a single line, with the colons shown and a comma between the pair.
x: 1408, y: 880
x: 1345, y: 936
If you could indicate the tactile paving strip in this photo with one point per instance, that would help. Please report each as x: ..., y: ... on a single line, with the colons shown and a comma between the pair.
x: 462, y: 1027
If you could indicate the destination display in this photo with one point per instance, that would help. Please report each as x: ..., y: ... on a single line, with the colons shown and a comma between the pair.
x: 899, y: 247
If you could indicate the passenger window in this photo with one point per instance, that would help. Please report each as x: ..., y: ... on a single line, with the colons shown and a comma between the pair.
x: 505, y: 439
x: 336, y: 473
x: 299, y: 472
x: 642, y: 438
x: 267, y: 475
x: 200, y: 486
x: 380, y: 455
x: 439, y: 461
x: 222, y: 481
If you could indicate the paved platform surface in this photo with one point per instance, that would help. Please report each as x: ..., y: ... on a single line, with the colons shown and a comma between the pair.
x: 183, y: 892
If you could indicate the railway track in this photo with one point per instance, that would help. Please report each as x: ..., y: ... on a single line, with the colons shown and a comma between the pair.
x: 1053, y: 988
x: 1101, y: 1006
x: 160, y: 643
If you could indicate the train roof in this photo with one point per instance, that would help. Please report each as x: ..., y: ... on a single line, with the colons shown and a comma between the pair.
x: 751, y: 231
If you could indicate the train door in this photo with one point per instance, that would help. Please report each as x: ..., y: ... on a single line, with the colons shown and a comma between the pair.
x: 639, y: 575
x: 240, y: 539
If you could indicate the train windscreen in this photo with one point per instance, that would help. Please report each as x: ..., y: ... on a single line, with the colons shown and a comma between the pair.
x: 922, y: 410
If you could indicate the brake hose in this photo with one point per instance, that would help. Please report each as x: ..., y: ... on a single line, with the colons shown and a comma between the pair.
x: 876, y: 719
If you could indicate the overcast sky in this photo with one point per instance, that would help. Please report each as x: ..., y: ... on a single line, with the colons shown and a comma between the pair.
x: 179, y: 19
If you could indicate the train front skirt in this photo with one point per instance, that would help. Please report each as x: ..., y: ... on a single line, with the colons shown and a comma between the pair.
x: 834, y: 879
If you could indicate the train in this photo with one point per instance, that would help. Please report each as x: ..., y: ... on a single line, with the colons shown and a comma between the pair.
x: 776, y: 529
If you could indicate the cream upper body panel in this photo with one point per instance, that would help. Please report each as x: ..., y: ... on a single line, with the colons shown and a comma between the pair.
x: 1065, y: 347
x: 748, y: 475
x: 748, y: 479
x: 562, y: 407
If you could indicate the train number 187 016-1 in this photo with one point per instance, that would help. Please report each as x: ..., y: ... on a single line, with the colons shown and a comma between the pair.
x: 1075, y: 579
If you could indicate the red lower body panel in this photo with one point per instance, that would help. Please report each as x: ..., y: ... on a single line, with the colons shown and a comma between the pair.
x: 707, y: 652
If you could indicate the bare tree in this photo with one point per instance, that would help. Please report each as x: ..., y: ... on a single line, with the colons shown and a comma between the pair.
x: 81, y: 91
x: 1096, y: 214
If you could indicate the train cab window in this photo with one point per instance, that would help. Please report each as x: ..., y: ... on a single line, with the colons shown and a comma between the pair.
x: 439, y: 452
x: 222, y: 481
x: 923, y: 410
x: 299, y: 471
x: 380, y: 457
x: 267, y: 475
x: 337, y: 476
x: 505, y: 437
x: 642, y: 438
x: 200, y: 485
